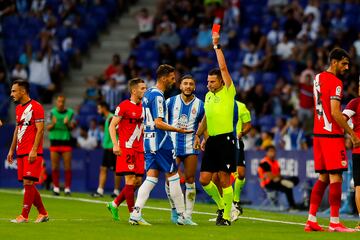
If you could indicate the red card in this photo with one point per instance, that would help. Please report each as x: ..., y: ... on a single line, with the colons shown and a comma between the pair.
x: 216, y: 28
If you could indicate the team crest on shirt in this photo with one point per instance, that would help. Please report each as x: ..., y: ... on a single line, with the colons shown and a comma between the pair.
x: 183, y: 121
x: 193, y: 111
x: 338, y: 91
x: 131, y: 166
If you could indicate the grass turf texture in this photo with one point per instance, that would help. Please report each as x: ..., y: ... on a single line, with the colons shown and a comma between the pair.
x: 75, y: 219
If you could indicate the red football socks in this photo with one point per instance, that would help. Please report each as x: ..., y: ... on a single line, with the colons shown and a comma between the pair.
x: 317, y: 194
x: 38, y: 202
x: 55, y: 177
x: 129, y: 195
x: 29, y: 196
x: 335, y: 198
x: 68, y: 176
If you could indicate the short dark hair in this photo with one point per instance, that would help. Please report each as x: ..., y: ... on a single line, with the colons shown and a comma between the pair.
x: 104, y: 105
x: 338, y: 54
x: 164, y: 70
x: 187, y: 76
x: 216, y: 72
x: 271, y: 147
x: 22, y: 83
x: 133, y: 82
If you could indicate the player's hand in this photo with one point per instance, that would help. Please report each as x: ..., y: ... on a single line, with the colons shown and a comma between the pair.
x: 1, y: 123
x: 32, y: 156
x: 116, y: 150
x: 10, y: 158
x: 183, y: 130
x: 66, y: 120
x: 196, y: 142
x: 202, y: 145
x: 53, y: 120
x: 355, y: 141
x: 215, y: 38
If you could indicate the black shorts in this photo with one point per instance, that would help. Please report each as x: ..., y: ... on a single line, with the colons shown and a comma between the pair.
x: 219, y: 154
x: 109, y: 159
x: 240, y: 154
x: 356, y: 169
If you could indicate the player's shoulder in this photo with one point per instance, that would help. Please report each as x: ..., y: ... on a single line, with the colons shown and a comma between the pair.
x: 36, y: 104
x: 354, y: 102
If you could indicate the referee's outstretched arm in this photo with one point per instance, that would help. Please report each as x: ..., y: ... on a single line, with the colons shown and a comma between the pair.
x: 221, y: 61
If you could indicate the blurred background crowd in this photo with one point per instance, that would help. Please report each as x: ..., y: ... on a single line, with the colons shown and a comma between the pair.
x: 273, y: 50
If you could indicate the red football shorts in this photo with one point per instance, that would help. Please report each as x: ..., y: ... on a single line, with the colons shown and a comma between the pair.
x: 330, y: 154
x: 60, y: 149
x: 130, y: 162
x: 28, y: 170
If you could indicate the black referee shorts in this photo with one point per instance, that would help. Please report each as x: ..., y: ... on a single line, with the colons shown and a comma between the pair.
x: 240, y: 154
x: 109, y: 159
x: 219, y: 154
x: 356, y: 169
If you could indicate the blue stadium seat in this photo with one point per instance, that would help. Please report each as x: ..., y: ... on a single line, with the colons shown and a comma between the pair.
x: 269, y: 80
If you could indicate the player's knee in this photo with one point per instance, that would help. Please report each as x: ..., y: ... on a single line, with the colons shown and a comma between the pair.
x: 204, y: 181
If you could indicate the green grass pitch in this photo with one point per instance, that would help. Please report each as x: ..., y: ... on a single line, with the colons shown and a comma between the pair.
x: 82, y: 217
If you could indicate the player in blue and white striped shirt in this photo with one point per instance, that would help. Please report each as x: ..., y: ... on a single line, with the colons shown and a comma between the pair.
x: 186, y: 111
x: 159, y: 150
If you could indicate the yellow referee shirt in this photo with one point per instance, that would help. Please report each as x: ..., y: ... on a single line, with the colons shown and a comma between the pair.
x: 219, y: 111
x: 243, y: 116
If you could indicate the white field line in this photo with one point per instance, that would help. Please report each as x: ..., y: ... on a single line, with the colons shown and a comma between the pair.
x: 147, y: 207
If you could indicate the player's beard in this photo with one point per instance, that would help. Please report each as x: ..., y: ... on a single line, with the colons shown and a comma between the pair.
x: 188, y: 95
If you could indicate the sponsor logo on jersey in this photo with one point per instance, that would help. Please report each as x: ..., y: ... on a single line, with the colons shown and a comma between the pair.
x: 338, y: 91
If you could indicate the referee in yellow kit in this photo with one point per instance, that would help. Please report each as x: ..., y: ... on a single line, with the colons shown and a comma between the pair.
x: 219, y: 156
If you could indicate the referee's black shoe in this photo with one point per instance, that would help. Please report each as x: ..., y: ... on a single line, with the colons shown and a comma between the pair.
x: 220, y: 213
x: 223, y: 222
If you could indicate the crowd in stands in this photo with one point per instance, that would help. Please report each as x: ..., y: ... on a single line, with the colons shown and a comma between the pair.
x: 273, y: 49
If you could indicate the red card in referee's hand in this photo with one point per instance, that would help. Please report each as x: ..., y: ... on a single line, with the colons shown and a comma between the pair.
x: 215, y: 28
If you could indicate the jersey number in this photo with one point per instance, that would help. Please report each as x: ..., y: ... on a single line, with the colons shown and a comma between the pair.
x: 149, y: 121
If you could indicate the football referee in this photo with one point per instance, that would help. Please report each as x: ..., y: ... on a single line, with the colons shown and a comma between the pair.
x: 219, y: 156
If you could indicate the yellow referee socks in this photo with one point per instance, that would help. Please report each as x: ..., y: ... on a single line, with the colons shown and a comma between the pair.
x: 228, y: 198
x: 213, y: 192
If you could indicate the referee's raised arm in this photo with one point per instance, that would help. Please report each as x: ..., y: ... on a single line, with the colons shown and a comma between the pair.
x: 221, y: 60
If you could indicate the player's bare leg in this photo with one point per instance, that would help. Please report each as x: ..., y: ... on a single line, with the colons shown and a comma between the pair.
x: 67, y: 156
x: 55, y: 169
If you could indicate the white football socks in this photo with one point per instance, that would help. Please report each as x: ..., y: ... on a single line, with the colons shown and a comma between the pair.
x: 190, y: 195
x: 144, y: 193
x: 176, y: 193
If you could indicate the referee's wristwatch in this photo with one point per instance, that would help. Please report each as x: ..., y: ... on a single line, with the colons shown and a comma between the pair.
x: 217, y: 46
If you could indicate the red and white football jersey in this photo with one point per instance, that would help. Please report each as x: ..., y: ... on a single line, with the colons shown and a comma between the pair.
x: 26, y: 117
x: 352, y: 110
x: 326, y: 87
x: 130, y: 128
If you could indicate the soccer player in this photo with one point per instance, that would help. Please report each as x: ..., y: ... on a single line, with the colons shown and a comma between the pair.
x: 352, y: 111
x: 28, y: 141
x: 219, y: 156
x: 129, y: 149
x: 159, y: 149
x: 242, y: 119
x: 329, y: 144
x: 185, y: 111
x: 109, y: 158
x: 60, y: 126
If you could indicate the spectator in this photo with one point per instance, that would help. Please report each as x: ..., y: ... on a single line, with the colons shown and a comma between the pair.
x: 189, y: 60
x: 145, y: 22
x: 113, y: 67
x: 266, y: 140
x: 269, y: 173
x: 19, y: 72
x: 246, y: 80
x: 277, y: 131
x: 306, y: 101
x: 86, y: 142
x: 168, y: 37
x: 94, y: 131
x: 112, y: 93
x: 285, y: 48
x: 252, y: 139
x: 119, y: 76
x: 291, y: 26
x: 275, y: 34
x: 203, y: 39
x: 92, y: 92
x: 131, y: 69
x: 293, y: 135
x: 252, y: 57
